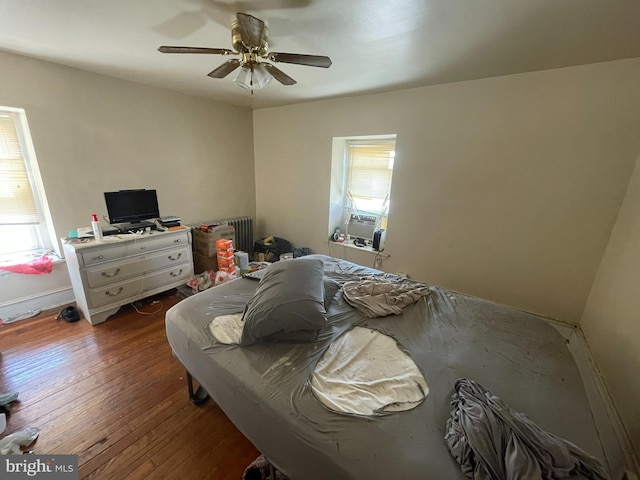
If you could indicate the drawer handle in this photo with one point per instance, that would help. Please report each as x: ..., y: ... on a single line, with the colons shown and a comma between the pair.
x: 105, y: 274
x: 176, y: 274
x: 177, y: 240
x: 142, y: 248
x: 114, y: 294
x: 175, y: 258
x: 99, y: 257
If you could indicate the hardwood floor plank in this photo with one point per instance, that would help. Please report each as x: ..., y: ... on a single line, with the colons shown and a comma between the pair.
x: 114, y: 395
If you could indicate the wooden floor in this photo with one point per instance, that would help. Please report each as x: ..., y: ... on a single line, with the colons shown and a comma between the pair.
x: 114, y: 395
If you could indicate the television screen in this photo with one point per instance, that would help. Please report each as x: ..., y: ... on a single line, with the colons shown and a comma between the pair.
x: 130, y: 206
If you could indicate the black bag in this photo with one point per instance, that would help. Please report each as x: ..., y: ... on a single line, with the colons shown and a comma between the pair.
x: 271, y: 247
x: 69, y: 314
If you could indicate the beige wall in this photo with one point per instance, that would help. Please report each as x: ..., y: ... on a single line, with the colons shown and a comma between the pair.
x: 611, y: 320
x: 505, y: 188
x: 94, y: 134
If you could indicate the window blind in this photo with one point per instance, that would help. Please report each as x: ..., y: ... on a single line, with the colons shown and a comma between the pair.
x: 370, y: 169
x: 17, y: 202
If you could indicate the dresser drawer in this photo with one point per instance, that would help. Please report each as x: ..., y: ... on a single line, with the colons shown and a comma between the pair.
x: 113, y: 272
x: 114, y: 293
x: 151, y: 243
x: 101, y: 254
x: 165, y: 277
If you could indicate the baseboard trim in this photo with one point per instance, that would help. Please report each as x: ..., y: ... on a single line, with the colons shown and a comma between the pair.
x: 618, y: 450
x: 41, y: 301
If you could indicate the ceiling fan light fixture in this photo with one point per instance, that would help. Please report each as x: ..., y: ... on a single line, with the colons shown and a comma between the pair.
x: 243, y: 79
x: 261, y: 76
x: 253, y: 77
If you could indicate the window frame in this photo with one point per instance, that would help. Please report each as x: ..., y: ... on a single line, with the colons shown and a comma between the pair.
x: 340, y: 204
x: 42, y: 233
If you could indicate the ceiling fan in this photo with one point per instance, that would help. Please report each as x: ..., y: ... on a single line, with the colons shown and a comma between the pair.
x: 249, y: 38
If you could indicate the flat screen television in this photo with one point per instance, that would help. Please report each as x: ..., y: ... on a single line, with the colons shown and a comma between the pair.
x: 131, y: 206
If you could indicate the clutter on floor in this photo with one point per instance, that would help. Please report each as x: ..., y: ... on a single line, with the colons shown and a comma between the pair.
x: 20, y: 316
x: 261, y: 469
x: 69, y: 314
x: 269, y: 249
x: 227, y: 264
x: 10, y: 445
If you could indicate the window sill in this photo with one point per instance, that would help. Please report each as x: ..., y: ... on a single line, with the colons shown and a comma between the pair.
x: 366, y: 249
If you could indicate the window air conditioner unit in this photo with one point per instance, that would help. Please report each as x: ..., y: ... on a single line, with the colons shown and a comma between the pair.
x: 362, y: 226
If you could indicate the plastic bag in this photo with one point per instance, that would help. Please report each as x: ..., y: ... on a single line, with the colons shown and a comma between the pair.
x: 6, y: 398
x: 202, y: 281
x: 222, y: 276
x: 11, y: 443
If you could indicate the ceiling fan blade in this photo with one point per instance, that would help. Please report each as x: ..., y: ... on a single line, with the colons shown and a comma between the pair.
x: 251, y: 30
x: 310, y: 60
x: 215, y: 51
x: 225, y: 69
x: 278, y: 74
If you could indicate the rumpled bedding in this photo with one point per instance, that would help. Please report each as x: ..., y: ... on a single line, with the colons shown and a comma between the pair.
x: 264, y: 389
x: 493, y: 442
x: 378, y: 297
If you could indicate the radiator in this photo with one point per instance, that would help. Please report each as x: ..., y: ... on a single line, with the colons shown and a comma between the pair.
x: 244, y: 232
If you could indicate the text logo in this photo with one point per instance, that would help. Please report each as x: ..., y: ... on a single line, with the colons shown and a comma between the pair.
x: 39, y: 467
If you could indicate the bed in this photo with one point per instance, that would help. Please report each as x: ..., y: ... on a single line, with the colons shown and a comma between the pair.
x: 264, y: 388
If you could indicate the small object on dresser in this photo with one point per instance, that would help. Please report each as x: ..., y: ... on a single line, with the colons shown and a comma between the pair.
x: 170, y: 221
x: 95, y: 225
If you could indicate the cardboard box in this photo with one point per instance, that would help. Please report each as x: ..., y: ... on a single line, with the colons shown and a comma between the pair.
x: 224, y: 244
x: 204, y: 243
x: 225, y: 254
x: 203, y: 263
x: 226, y: 261
x: 205, y: 227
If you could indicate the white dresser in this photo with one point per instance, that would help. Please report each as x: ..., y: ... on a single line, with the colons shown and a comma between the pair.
x: 125, y: 268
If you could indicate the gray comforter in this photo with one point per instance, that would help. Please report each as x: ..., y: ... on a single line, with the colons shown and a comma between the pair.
x: 493, y: 442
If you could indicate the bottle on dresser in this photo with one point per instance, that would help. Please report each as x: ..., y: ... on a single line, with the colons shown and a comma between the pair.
x: 95, y: 224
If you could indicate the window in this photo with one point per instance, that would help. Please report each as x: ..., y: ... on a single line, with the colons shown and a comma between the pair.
x: 362, y: 171
x: 369, y: 174
x: 24, y: 217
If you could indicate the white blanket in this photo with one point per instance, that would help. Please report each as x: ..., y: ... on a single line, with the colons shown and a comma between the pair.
x: 363, y: 372
x: 227, y: 329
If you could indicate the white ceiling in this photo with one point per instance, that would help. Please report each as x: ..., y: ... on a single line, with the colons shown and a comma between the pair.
x: 375, y: 45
